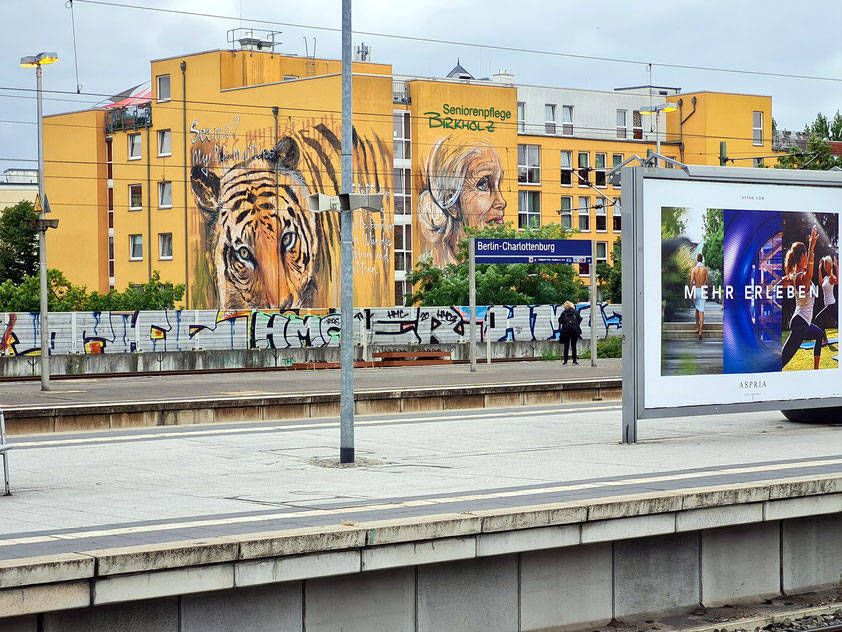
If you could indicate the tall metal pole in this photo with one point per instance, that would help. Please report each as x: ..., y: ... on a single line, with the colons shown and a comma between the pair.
x: 42, y: 246
x: 346, y: 229
x: 472, y: 298
x: 593, y: 303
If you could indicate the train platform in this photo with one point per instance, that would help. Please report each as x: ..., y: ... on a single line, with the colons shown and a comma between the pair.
x: 120, y: 402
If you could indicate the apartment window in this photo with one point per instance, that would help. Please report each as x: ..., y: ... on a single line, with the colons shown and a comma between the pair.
x: 403, y: 247
x: 135, y: 197
x: 163, y: 88
x: 521, y: 117
x: 165, y: 195
x: 135, y: 247
x: 528, y: 209
x: 616, y: 161
x: 757, y: 162
x: 165, y: 142
x: 403, y: 191
x: 403, y: 289
x: 584, y: 214
x: 110, y: 207
x: 110, y: 262
x: 549, y: 119
x: 165, y: 246
x: 757, y: 125
x: 637, y: 125
x: 567, y: 120
x: 109, y: 158
x: 529, y: 164
x: 401, y: 135
x: 602, y: 252
x: 584, y: 169
x: 134, y: 147
x: 566, y: 212
x: 567, y: 168
x: 599, y: 169
x: 622, y: 123
x: 601, y: 215
x: 617, y: 215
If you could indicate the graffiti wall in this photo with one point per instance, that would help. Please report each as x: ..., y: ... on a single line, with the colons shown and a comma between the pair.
x: 258, y: 243
x: 171, y: 330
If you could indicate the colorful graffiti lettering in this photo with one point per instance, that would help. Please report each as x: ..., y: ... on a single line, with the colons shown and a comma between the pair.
x: 171, y: 330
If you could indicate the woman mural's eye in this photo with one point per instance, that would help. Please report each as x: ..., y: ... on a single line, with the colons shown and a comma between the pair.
x: 484, y: 183
x: 244, y: 253
x: 288, y: 240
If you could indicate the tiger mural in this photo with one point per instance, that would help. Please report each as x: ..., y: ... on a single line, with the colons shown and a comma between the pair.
x: 266, y: 249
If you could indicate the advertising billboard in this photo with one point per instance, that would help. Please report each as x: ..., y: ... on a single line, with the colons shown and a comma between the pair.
x: 735, y: 280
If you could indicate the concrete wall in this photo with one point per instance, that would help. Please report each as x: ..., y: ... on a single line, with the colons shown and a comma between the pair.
x: 468, y: 577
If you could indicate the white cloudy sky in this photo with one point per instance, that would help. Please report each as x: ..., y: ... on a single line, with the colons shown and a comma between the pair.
x: 115, y: 45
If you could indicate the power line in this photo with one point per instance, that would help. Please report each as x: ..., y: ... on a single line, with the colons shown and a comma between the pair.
x: 429, y: 40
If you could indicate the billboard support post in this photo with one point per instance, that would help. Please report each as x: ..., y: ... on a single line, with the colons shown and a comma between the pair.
x: 593, y: 303
x: 472, y: 291
x: 629, y: 252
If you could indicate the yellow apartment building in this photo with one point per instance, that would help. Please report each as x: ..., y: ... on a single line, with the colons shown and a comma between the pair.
x: 204, y: 174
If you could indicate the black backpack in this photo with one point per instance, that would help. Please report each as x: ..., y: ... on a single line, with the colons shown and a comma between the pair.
x: 569, y: 322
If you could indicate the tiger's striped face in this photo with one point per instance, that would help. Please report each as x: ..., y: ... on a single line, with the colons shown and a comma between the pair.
x: 263, y: 240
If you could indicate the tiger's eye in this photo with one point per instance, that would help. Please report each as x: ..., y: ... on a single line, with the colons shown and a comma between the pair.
x: 288, y: 240
x: 244, y: 253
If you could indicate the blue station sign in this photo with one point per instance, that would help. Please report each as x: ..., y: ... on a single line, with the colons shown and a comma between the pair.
x: 532, y: 250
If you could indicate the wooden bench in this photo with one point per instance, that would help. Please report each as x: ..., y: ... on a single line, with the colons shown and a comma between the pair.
x: 411, y: 358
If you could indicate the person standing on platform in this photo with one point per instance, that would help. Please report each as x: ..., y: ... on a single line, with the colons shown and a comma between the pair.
x: 570, y: 328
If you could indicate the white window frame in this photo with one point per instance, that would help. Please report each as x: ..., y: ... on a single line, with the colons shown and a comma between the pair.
x: 583, y: 169
x: 521, y: 117
x: 757, y: 130
x: 617, y: 214
x: 158, y: 88
x: 161, y: 241
x: 550, y: 119
x: 131, y: 138
x: 525, y: 214
x: 600, y: 212
x: 600, y: 173
x: 135, y: 240
x: 405, y: 251
x: 568, y: 169
x: 617, y: 159
x: 131, y: 187
x: 604, y: 257
x: 164, y: 138
x: 566, y: 212
x: 622, y: 123
x: 637, y: 125
x: 162, y: 187
x: 567, y: 120
x: 529, y: 172
x: 401, y: 137
x: 584, y: 213
x: 402, y: 190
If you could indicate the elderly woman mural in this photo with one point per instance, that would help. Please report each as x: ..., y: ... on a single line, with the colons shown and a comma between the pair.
x: 460, y: 187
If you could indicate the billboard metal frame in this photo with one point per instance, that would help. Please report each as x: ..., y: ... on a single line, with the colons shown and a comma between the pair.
x: 633, y: 285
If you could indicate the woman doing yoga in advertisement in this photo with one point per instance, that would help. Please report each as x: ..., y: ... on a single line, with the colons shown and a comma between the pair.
x: 828, y: 277
x: 798, y: 269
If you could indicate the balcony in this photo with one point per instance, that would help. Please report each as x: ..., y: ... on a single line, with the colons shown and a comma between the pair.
x: 128, y: 118
x: 784, y: 140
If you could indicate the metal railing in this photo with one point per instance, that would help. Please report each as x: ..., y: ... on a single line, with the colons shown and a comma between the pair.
x: 4, y: 452
x: 400, y: 92
x: 128, y: 118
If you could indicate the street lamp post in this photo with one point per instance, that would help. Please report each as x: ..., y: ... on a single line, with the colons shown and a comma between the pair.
x: 36, y: 61
x: 656, y: 110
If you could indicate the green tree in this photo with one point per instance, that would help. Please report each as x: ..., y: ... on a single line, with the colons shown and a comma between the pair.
x: 677, y: 263
x: 610, y: 276
x: 713, y: 249
x: 63, y: 296
x: 18, y: 242
x: 817, y: 156
x: 498, y: 284
x: 825, y: 129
